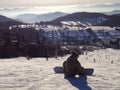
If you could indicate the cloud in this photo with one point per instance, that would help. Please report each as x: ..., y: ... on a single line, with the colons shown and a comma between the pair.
x: 12, y: 12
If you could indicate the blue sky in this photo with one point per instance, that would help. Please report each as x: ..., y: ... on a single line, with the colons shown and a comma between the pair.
x: 32, y: 3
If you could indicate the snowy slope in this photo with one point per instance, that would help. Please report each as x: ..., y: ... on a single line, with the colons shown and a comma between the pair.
x: 85, y: 21
x: 38, y: 73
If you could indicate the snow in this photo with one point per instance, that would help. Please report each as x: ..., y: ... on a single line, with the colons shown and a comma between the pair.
x: 106, y: 28
x: 94, y: 21
x: 38, y: 73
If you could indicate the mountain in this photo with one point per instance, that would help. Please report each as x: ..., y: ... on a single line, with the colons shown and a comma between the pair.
x: 25, y: 17
x: 88, y: 19
x: 117, y: 14
x: 5, y: 21
x: 80, y: 16
x: 33, y: 18
x: 114, y: 12
x: 83, y: 18
x: 114, y: 21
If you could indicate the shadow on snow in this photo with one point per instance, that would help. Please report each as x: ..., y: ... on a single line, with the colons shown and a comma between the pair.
x: 80, y: 83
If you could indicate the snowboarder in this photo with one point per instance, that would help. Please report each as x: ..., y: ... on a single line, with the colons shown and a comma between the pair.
x: 72, y: 66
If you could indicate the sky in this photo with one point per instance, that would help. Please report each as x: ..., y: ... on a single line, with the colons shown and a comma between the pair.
x: 32, y: 3
x: 12, y: 8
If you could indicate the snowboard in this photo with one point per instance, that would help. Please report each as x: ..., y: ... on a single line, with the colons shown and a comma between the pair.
x: 59, y: 69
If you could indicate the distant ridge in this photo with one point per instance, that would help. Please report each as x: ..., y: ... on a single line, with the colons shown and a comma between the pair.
x: 114, y: 12
x: 33, y: 18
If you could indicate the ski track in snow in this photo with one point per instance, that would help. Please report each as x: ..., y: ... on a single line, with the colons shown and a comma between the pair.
x: 38, y: 73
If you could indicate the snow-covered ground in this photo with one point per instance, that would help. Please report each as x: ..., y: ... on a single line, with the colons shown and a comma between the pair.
x: 38, y: 73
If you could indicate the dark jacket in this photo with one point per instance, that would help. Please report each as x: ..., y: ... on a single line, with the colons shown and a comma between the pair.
x: 72, y: 66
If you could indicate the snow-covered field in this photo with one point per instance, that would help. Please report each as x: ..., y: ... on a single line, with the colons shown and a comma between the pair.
x: 38, y: 73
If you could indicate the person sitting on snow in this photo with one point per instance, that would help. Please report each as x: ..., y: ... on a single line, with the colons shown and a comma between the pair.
x: 72, y: 66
